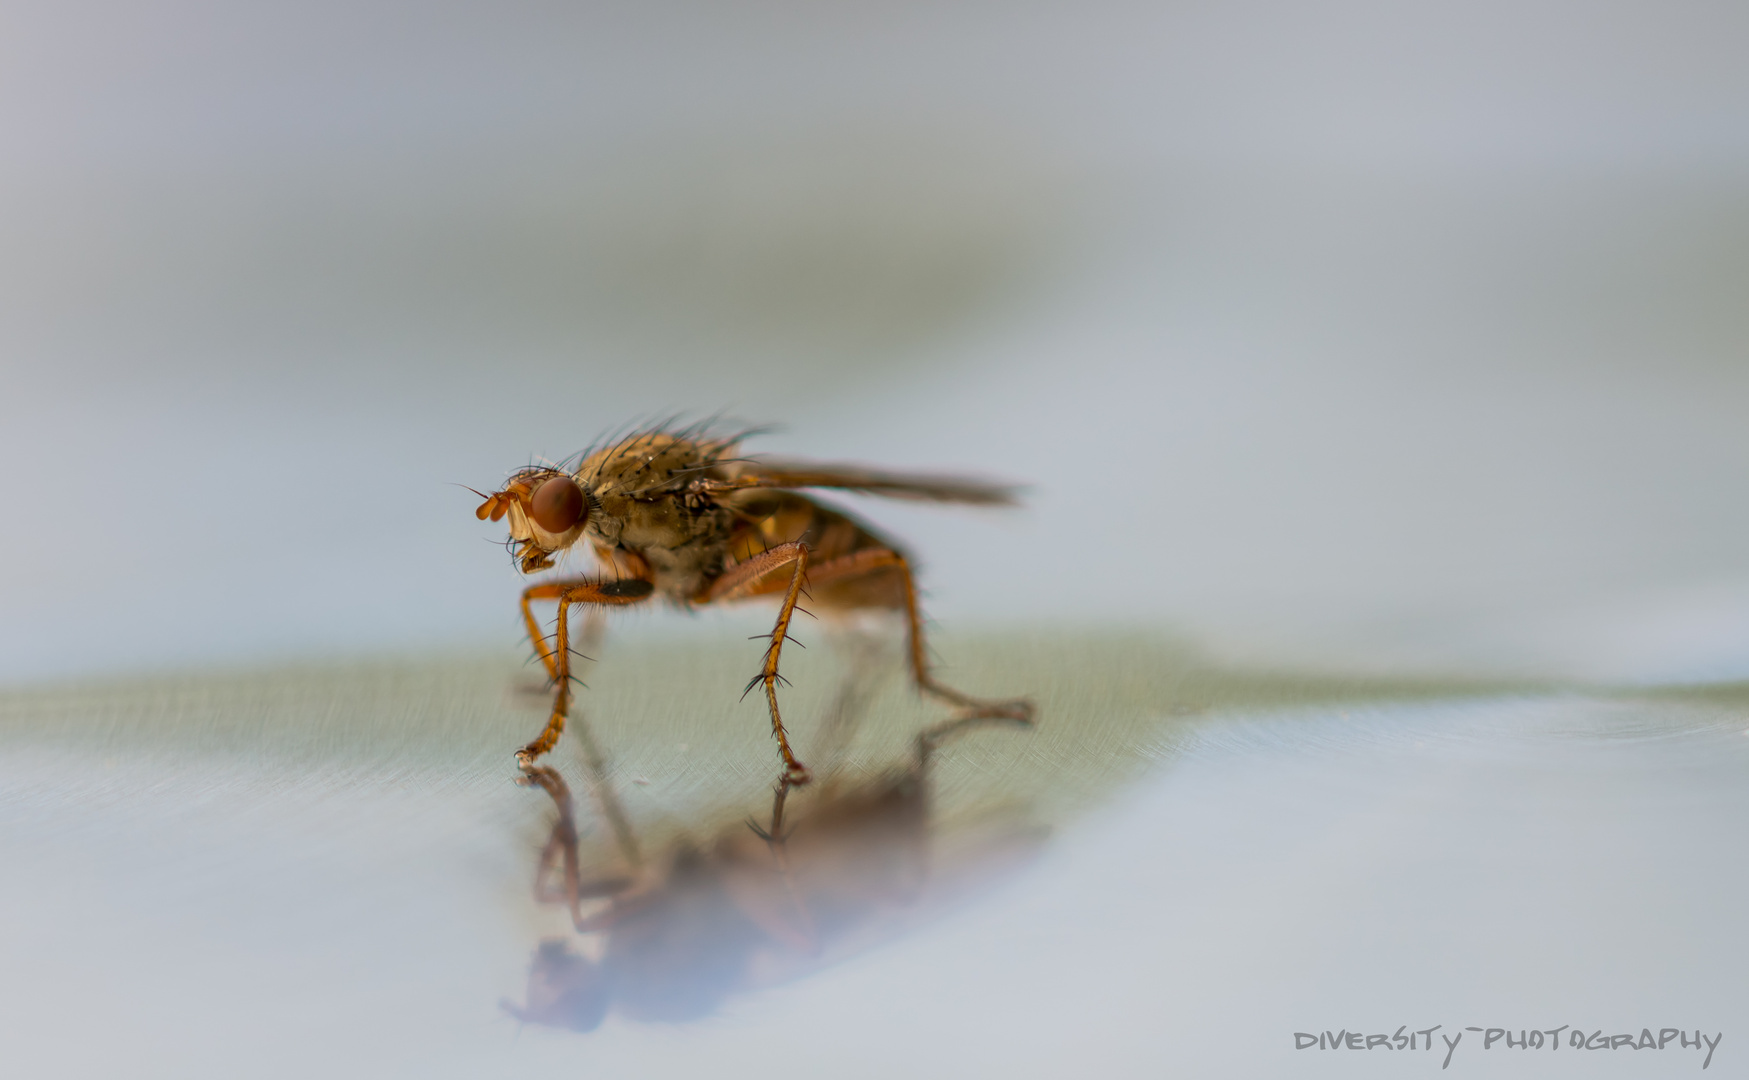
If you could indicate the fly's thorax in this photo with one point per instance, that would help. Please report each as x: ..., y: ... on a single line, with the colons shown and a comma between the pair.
x: 640, y: 491
x: 665, y: 522
x: 612, y: 513
x: 648, y: 466
x: 682, y: 543
x: 635, y: 495
x: 607, y: 521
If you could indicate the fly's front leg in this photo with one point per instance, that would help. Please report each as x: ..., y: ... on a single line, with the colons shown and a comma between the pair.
x: 557, y: 655
x: 552, y: 590
x: 747, y: 579
x: 600, y: 786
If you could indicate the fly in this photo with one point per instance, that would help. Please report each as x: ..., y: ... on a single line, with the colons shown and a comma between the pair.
x: 678, y: 514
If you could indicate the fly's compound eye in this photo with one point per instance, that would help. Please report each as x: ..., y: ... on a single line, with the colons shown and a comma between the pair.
x: 558, y: 505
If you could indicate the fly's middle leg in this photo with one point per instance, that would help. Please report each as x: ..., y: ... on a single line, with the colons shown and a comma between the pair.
x: 745, y: 579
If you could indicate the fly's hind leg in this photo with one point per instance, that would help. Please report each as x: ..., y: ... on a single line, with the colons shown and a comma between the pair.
x: 556, y: 654
x: 872, y: 560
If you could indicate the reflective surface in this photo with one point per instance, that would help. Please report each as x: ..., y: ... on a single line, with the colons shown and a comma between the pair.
x: 834, y: 869
x: 302, y: 868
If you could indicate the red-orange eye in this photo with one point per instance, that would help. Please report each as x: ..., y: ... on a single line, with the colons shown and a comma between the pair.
x: 558, y: 505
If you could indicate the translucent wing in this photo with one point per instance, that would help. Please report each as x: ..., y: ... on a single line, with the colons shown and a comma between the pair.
x: 921, y: 487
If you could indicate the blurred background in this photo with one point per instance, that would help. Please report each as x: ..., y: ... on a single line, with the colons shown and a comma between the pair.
x: 1345, y: 334
x: 1374, y: 341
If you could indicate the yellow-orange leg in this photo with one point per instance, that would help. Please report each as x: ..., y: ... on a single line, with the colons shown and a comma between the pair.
x: 550, y: 590
x: 557, y: 655
x: 600, y: 784
x: 870, y: 560
x: 746, y: 579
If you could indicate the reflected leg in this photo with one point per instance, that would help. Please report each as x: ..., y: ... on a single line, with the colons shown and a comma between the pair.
x: 560, y: 852
x: 930, y: 739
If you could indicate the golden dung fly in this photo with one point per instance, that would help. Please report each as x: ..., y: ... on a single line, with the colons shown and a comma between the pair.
x: 677, y: 513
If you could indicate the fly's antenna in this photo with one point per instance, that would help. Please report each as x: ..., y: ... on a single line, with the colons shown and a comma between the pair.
x: 488, y: 505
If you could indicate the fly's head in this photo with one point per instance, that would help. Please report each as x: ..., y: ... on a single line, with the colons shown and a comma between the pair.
x: 548, y: 511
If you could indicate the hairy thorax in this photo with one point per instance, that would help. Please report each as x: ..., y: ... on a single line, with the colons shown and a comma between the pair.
x: 642, y: 510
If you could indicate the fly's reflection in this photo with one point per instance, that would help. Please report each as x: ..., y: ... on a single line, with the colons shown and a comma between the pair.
x: 825, y: 876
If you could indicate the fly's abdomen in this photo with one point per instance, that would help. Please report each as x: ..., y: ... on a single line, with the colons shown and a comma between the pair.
x: 780, y: 517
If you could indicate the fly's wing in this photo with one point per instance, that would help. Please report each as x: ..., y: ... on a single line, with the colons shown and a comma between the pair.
x: 920, y: 487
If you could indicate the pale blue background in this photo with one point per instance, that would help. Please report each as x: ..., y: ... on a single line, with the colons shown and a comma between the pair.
x: 1395, y: 336
x: 1351, y: 337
